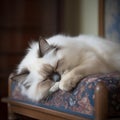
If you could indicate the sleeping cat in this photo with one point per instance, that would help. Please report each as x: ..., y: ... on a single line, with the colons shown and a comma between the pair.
x: 70, y: 58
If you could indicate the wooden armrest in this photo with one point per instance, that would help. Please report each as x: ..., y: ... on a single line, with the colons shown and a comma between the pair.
x: 101, y: 101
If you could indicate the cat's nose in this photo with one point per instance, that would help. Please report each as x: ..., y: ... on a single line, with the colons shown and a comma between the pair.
x: 56, y: 76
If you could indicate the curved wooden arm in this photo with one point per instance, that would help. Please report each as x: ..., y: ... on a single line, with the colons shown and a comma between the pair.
x: 101, y: 101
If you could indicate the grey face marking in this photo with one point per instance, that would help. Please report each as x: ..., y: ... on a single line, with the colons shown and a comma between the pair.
x: 21, y: 78
x: 27, y: 85
x: 46, y: 70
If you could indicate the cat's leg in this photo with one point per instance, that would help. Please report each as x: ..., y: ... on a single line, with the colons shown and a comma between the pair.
x: 71, y: 78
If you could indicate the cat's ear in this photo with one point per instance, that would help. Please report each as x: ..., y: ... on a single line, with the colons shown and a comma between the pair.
x: 43, y: 46
x: 19, y: 77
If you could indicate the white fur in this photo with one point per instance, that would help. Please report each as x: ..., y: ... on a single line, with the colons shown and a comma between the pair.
x: 82, y: 55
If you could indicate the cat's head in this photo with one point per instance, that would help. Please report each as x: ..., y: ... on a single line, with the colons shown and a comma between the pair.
x: 35, y: 73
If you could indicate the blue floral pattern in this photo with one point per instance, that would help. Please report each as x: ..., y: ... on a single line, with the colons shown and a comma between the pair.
x: 112, y: 19
x: 80, y: 101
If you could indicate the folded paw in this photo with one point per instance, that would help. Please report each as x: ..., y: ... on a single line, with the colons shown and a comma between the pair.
x: 69, y: 82
x: 55, y: 87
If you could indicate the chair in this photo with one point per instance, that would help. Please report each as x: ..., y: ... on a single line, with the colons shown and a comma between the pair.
x: 95, y: 97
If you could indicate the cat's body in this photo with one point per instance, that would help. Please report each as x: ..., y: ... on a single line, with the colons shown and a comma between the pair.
x: 72, y: 57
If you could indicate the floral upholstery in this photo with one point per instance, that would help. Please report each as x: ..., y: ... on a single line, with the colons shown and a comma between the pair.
x: 80, y: 101
x: 112, y: 20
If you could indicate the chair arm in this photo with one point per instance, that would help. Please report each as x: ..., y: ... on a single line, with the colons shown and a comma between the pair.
x: 101, y: 101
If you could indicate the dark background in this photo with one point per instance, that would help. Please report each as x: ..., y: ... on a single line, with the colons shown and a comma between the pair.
x: 22, y: 21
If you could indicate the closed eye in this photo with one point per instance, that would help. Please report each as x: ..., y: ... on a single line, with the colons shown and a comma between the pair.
x: 25, y: 71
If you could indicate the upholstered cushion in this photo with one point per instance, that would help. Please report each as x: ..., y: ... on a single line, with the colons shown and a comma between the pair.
x: 80, y: 101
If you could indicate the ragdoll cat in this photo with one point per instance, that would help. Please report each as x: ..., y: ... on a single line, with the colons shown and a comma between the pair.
x: 71, y: 58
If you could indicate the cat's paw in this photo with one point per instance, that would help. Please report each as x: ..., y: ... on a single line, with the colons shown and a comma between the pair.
x: 55, y: 87
x: 69, y: 82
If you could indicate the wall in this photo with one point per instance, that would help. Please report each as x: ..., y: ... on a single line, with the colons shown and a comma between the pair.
x: 89, y: 17
x: 79, y: 16
x: 70, y: 22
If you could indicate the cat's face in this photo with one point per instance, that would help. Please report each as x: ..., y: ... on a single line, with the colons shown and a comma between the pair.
x: 36, y: 71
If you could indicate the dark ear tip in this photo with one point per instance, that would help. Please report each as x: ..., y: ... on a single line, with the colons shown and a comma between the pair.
x: 11, y: 76
x: 41, y: 38
x: 43, y: 46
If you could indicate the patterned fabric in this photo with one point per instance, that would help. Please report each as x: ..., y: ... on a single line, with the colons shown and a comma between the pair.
x: 112, y: 19
x: 80, y: 101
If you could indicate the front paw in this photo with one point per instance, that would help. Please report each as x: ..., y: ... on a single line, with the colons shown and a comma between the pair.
x: 68, y: 83
x: 55, y: 87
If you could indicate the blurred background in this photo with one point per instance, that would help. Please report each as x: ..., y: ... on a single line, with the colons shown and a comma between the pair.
x: 24, y: 20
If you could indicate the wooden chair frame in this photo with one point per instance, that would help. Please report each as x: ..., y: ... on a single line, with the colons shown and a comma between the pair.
x: 41, y: 113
